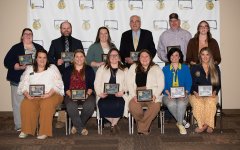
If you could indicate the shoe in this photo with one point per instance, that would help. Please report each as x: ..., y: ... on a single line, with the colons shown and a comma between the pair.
x: 42, y: 137
x: 18, y: 130
x: 200, y: 130
x: 22, y: 135
x: 182, y: 129
x: 73, y: 130
x: 60, y: 124
x: 209, y: 130
x: 84, y: 132
x: 186, y: 124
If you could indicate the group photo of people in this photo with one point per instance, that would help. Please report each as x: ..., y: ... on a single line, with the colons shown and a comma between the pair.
x: 111, y: 80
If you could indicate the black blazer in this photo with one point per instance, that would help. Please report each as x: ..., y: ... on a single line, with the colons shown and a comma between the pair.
x: 199, y: 78
x: 145, y: 42
x: 58, y: 46
x: 12, y: 58
x: 89, y: 77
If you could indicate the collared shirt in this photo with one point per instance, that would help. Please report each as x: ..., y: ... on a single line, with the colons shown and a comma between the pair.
x: 138, y: 34
x: 172, y: 37
x: 175, y: 82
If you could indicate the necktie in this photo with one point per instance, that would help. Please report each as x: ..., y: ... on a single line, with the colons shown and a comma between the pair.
x: 66, y: 50
x: 135, y: 41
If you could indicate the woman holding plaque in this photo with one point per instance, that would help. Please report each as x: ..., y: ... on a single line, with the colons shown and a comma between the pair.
x: 43, y: 90
x: 178, y: 82
x: 79, y: 76
x: 111, y: 90
x: 203, y: 100
x: 145, y: 75
x: 203, y: 38
x: 100, y: 48
x: 16, y: 67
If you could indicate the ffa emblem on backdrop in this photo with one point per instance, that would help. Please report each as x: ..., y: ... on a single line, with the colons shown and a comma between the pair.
x: 209, y: 5
x: 61, y: 4
x: 86, y: 25
x: 36, y: 24
x: 160, y: 4
x: 111, y: 5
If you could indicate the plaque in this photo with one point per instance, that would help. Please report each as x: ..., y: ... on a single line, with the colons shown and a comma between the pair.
x: 25, y: 59
x: 111, y: 88
x: 205, y: 90
x: 177, y: 92
x: 67, y: 56
x: 104, y: 57
x: 134, y: 56
x: 78, y: 94
x: 36, y: 90
x: 170, y: 47
x: 144, y: 95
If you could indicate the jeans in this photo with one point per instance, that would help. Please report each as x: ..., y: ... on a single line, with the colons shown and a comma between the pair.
x: 177, y: 107
x: 16, y: 103
x: 79, y: 121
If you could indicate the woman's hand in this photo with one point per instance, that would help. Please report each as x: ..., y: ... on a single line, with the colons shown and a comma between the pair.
x: 196, y: 94
x: 68, y: 93
x: 49, y: 94
x: 103, y: 95
x: 135, y: 99
x: 17, y: 66
x: 26, y: 94
x: 119, y: 94
x: 214, y: 94
x: 89, y: 92
x: 169, y: 95
x: 154, y: 98
x: 60, y: 62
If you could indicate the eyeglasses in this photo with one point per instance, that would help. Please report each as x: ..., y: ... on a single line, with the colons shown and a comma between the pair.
x: 204, y: 27
x: 116, y: 55
x: 26, y: 34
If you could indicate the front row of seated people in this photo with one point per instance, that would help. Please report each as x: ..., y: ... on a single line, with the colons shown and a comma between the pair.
x: 144, y: 74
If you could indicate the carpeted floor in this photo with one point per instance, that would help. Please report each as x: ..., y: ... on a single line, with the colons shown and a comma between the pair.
x: 171, y: 140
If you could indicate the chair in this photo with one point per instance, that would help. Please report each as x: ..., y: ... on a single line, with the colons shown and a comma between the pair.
x: 131, y: 121
x: 161, y: 119
x: 130, y: 124
x: 62, y: 107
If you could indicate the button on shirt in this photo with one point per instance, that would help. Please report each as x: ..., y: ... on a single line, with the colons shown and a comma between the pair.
x: 173, y: 38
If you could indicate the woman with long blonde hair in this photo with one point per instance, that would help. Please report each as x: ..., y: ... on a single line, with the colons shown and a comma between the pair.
x: 207, y: 73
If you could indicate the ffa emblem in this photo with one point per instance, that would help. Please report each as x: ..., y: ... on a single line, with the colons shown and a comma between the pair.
x: 197, y: 74
x: 32, y: 6
x: 61, y: 4
x: 82, y: 6
x: 209, y: 5
x: 160, y: 4
x: 111, y: 5
x: 185, y: 25
x: 36, y: 24
x: 86, y: 25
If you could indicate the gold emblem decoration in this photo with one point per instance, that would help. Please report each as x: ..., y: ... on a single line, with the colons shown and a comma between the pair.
x: 36, y: 24
x: 185, y: 25
x: 82, y: 6
x: 160, y: 5
x: 61, y: 4
x: 197, y: 74
x: 131, y: 7
x: 111, y: 5
x: 86, y: 25
x: 57, y: 26
x: 32, y: 6
x: 209, y: 5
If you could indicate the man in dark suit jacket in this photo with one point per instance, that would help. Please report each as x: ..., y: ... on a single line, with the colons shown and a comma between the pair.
x: 58, y: 46
x: 54, y: 55
x: 143, y: 38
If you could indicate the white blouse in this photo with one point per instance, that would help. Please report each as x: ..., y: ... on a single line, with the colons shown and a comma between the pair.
x: 51, y: 78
